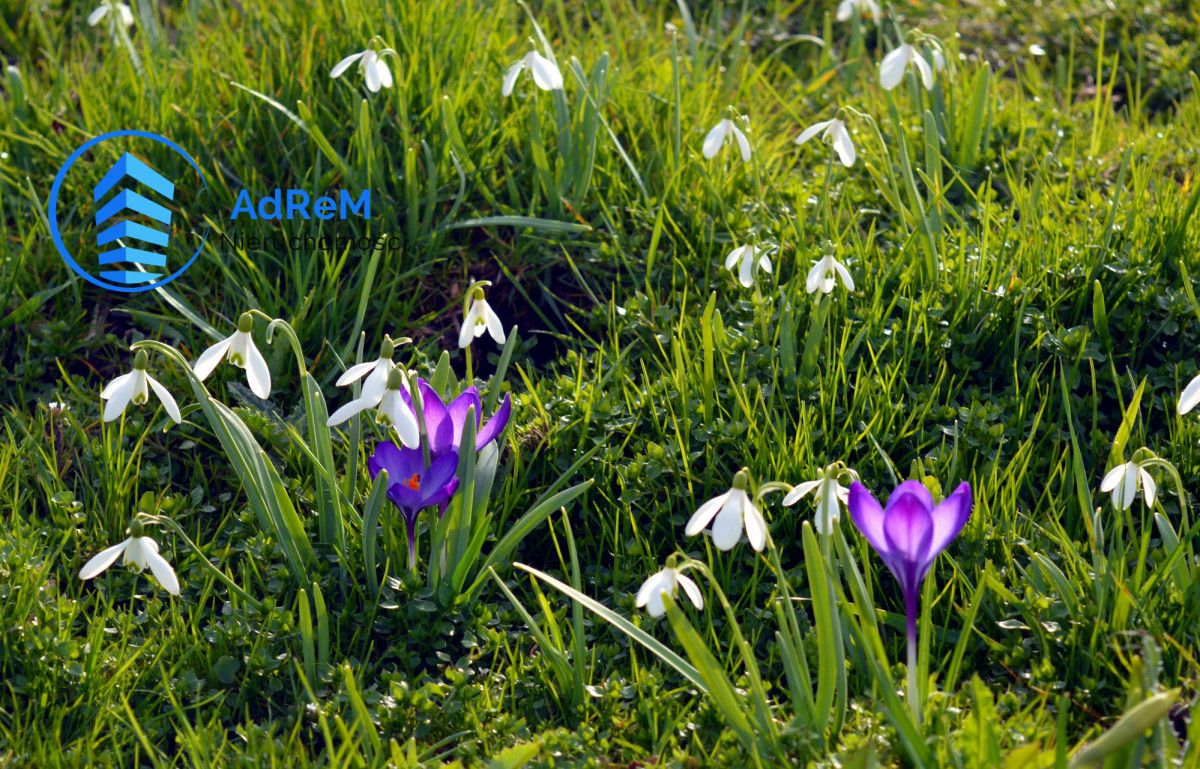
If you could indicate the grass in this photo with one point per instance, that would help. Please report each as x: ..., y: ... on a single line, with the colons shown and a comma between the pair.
x: 1023, y: 248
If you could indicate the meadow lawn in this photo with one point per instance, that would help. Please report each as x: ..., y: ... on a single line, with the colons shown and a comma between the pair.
x: 984, y: 275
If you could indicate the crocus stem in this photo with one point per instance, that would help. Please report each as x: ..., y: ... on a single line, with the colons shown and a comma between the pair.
x: 412, y: 544
x: 913, y: 700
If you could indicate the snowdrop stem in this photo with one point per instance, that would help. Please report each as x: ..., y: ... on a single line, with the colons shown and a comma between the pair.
x: 162, y: 520
x: 828, y: 219
x: 290, y: 333
x: 470, y: 366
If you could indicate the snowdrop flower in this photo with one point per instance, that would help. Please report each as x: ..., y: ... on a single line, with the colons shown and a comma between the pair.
x: 831, y: 494
x: 824, y: 275
x: 545, y: 73
x: 834, y: 132
x: 135, y: 387
x: 893, y: 66
x: 140, y: 552
x: 478, y: 318
x: 1123, y: 481
x: 117, y: 10
x: 390, y: 409
x: 240, y: 350
x: 375, y: 371
x: 665, y: 582
x: 847, y: 8
x: 371, y: 64
x: 743, y: 260
x: 720, y: 134
x: 1190, y: 396
x: 733, y: 511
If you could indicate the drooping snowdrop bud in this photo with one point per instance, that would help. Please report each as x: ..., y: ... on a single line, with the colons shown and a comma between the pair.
x: 894, y: 65
x: 824, y: 275
x: 478, y: 318
x: 835, y: 134
x: 375, y: 371
x: 665, y: 582
x: 744, y: 259
x: 134, y: 388
x: 720, y: 134
x: 239, y: 349
x: 731, y: 513
x: 391, y: 409
x: 545, y: 73
x: 370, y: 62
x: 140, y: 552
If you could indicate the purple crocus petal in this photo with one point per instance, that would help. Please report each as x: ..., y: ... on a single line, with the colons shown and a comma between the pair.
x: 495, y: 425
x: 467, y: 399
x: 442, y: 496
x: 868, y: 516
x: 949, y: 517
x: 388, y: 456
x: 438, y: 425
x: 908, y: 528
x: 405, y: 498
x: 441, y: 471
x: 915, y: 488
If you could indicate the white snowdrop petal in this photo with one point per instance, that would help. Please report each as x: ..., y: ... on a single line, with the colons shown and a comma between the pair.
x: 812, y: 131
x: 924, y: 70
x: 800, y: 491
x: 743, y: 143
x: 355, y: 373
x: 96, y: 15
x: 691, y: 589
x: 356, y: 406
x: 727, y: 526
x: 340, y: 68
x: 119, y: 397
x: 1149, y: 487
x: 494, y: 327
x: 756, y: 525
x: 510, y: 78
x: 891, y: 69
x: 258, y: 374
x: 843, y: 146
x: 210, y: 358
x: 168, y: 400
x: 1112, y: 477
x: 1190, y: 396
x: 716, y: 138
x: 163, y: 572
x: 704, y: 514
x: 115, y: 385
x: 102, y: 560
x: 545, y: 72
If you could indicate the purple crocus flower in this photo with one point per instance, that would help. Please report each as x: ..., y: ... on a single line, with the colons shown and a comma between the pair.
x: 444, y: 423
x: 909, y: 534
x: 412, y: 486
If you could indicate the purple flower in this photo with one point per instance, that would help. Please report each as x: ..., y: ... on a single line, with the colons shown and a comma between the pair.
x: 412, y: 486
x: 908, y: 535
x: 910, y: 532
x: 444, y: 423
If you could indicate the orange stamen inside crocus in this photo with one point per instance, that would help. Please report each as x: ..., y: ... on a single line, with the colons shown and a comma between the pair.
x: 414, y: 482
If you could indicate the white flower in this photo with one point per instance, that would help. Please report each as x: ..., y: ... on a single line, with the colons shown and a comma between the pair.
x: 546, y: 74
x: 1123, y: 481
x: 734, y: 510
x: 824, y: 275
x: 391, y: 410
x: 830, y: 495
x: 663, y: 583
x: 720, y: 133
x: 478, y: 318
x: 139, y: 552
x: 119, y: 10
x: 847, y: 8
x: 833, y: 131
x: 376, y: 371
x: 1036, y: 50
x: 1190, y: 396
x: 371, y: 64
x: 743, y: 260
x: 135, y: 387
x: 891, y: 69
x: 240, y: 350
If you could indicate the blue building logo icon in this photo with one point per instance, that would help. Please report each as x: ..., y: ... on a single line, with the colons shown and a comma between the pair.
x: 128, y: 201
x: 129, y: 238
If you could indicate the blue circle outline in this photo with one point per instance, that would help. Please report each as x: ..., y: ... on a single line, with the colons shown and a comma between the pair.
x: 53, y: 209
